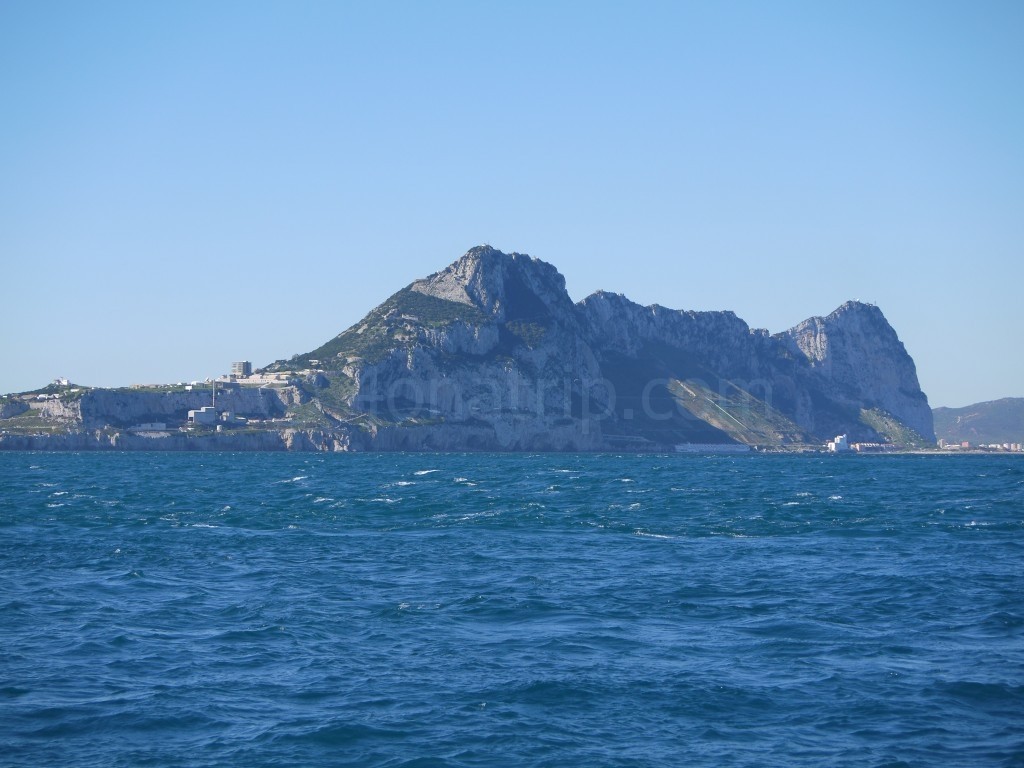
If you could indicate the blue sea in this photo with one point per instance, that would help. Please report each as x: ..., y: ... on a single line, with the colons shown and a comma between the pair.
x: 202, y: 609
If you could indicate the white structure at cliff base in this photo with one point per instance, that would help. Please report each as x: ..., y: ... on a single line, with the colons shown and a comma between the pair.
x: 839, y: 445
x: 205, y: 415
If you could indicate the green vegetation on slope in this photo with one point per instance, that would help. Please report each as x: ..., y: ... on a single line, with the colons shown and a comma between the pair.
x: 666, y: 395
x: 743, y: 417
x: 892, y: 430
x: 529, y: 333
x: 390, y: 326
x: 32, y: 422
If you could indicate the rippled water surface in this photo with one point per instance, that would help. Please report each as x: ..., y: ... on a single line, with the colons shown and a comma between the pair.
x: 501, y: 610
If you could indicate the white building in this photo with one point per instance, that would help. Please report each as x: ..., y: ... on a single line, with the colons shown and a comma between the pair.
x: 205, y: 415
x: 839, y: 445
x: 263, y: 379
x: 230, y: 417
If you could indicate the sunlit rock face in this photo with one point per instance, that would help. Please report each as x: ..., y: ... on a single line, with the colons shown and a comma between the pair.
x: 491, y: 353
x: 857, y: 360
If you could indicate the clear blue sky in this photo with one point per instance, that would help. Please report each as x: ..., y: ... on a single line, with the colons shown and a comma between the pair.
x: 186, y: 184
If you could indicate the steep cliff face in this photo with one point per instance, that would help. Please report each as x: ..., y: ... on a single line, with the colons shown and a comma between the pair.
x: 504, y: 287
x: 98, y: 408
x: 9, y: 408
x: 59, y: 410
x: 857, y: 361
x: 487, y: 354
x: 492, y: 353
x: 719, y: 340
x: 119, y: 407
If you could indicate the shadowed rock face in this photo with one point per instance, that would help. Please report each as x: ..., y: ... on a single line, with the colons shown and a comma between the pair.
x: 492, y: 352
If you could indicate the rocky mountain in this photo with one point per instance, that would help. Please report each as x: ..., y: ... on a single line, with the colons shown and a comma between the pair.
x: 491, y: 353
x: 857, y: 362
x: 996, y: 421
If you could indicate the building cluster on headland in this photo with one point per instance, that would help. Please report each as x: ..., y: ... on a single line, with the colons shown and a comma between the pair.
x: 842, y: 444
x: 53, y: 403
x: 966, y: 445
x: 241, y: 375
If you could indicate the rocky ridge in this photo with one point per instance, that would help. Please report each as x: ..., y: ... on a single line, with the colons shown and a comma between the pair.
x: 495, y: 347
x: 491, y: 353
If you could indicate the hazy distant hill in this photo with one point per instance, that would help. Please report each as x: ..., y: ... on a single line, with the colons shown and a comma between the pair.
x: 997, y: 421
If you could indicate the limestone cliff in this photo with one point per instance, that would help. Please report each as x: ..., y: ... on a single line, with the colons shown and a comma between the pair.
x: 126, y: 407
x: 858, y: 363
x: 491, y: 353
x: 487, y: 354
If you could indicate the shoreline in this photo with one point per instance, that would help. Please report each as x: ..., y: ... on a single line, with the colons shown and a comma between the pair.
x: 297, y: 440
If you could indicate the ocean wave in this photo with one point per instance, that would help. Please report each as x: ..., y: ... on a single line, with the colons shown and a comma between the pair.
x: 366, y: 618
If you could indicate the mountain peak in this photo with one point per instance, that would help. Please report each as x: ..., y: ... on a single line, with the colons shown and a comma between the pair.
x: 503, y: 323
x: 857, y: 349
x: 855, y: 307
x: 504, y: 285
x: 484, y: 251
x: 811, y: 337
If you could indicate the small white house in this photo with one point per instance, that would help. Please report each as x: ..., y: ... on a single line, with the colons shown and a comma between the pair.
x: 206, y: 415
